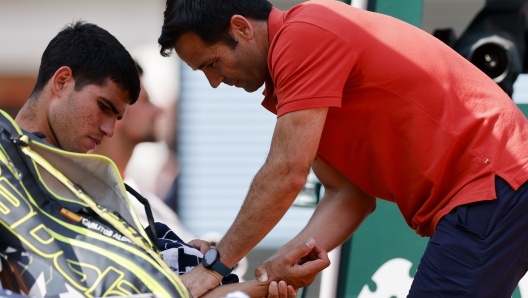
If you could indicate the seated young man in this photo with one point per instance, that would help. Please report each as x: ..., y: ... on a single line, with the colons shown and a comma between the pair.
x: 85, y: 83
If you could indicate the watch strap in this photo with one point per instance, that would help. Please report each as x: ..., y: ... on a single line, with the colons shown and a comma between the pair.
x: 221, y: 268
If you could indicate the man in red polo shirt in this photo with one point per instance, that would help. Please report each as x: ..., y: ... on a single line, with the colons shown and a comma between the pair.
x: 379, y: 109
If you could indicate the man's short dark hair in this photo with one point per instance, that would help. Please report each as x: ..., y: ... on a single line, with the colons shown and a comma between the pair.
x: 209, y: 19
x: 94, y: 56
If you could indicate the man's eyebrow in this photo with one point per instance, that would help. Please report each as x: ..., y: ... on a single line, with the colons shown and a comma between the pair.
x: 112, y: 107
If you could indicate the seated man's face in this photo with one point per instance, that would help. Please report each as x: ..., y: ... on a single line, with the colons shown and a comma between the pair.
x: 81, y: 121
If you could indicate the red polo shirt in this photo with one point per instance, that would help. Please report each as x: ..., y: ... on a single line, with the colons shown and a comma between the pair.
x: 410, y: 120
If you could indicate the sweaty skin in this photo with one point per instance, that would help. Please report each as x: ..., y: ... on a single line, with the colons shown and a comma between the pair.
x: 74, y: 120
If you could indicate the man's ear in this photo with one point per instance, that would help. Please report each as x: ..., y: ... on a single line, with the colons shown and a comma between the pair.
x: 62, y: 81
x: 241, y: 27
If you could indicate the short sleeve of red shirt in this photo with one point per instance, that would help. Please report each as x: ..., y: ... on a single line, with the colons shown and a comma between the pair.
x: 309, y: 67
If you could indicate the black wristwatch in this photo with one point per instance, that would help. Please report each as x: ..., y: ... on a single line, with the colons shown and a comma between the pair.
x: 211, y: 260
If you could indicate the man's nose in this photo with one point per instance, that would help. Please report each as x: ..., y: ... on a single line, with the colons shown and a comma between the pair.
x: 214, y: 78
x: 108, y: 126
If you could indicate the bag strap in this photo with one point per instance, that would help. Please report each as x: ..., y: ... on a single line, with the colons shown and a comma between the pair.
x: 148, y: 212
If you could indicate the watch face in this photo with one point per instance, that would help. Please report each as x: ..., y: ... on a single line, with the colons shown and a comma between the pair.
x: 210, y: 257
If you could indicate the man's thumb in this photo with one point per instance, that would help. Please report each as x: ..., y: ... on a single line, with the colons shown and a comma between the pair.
x: 261, y: 274
x: 301, y: 250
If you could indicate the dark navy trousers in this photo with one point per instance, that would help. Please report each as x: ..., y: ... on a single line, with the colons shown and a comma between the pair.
x: 478, y: 250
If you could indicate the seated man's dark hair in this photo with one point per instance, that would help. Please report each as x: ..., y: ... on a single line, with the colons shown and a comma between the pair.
x: 209, y: 19
x: 94, y: 56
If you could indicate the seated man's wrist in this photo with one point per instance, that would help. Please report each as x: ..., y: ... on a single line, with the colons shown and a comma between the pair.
x: 213, y: 273
x: 211, y: 260
x: 255, y: 288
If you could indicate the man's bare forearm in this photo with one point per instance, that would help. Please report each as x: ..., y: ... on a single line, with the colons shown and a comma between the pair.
x: 338, y: 215
x: 335, y: 219
x: 271, y: 194
x: 293, y: 149
x: 340, y: 212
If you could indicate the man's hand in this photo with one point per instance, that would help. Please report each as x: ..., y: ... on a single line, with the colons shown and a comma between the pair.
x: 202, y: 245
x: 281, y: 290
x: 298, y: 267
x: 200, y: 280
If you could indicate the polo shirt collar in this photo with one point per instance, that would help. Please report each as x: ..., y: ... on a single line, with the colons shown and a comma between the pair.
x: 275, y: 22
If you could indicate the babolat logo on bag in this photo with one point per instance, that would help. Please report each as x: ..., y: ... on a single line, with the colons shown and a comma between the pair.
x: 67, y: 227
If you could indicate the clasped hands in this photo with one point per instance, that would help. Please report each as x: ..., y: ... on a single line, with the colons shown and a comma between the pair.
x: 298, y: 266
x: 288, y: 270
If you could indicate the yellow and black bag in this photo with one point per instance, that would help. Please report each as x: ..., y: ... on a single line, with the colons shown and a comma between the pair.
x: 67, y: 227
